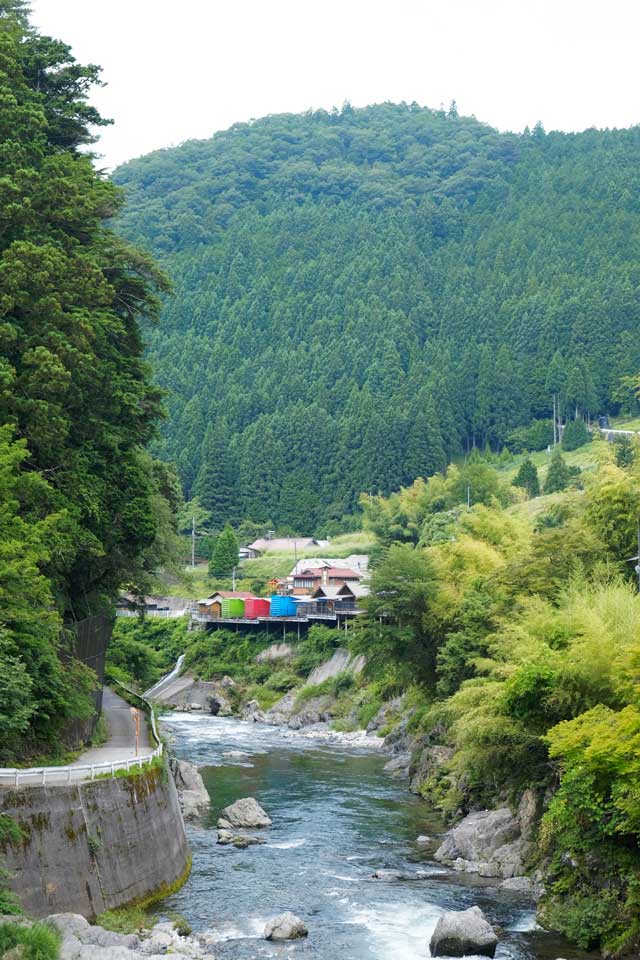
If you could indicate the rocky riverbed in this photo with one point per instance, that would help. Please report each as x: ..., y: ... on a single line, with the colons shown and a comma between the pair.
x: 350, y: 852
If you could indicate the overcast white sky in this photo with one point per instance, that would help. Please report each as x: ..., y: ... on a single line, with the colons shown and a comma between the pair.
x: 178, y: 69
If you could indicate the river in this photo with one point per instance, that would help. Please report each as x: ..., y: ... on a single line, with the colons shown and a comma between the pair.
x: 337, y: 817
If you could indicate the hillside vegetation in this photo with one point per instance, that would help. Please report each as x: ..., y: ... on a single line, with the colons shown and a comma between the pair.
x: 362, y: 295
x: 516, y: 633
x: 82, y: 502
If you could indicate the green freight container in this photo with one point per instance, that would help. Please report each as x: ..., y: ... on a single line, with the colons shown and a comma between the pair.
x: 232, y: 608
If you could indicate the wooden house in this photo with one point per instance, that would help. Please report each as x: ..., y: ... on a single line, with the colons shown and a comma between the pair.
x: 312, y: 578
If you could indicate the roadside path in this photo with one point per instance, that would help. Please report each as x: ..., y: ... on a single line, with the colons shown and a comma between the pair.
x: 121, y: 724
x: 125, y: 743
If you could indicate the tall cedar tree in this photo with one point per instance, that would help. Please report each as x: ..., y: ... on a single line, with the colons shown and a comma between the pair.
x: 225, y: 553
x: 216, y: 482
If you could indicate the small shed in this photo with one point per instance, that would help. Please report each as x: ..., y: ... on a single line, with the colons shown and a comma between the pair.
x: 232, y: 608
x: 305, y: 606
x: 282, y: 606
x: 256, y: 607
x: 209, y: 607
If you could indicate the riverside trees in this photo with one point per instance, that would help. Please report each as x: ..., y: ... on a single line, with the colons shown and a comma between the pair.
x: 76, y: 401
x: 517, y: 633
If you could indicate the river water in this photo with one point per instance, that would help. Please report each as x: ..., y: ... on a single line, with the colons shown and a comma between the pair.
x: 337, y: 817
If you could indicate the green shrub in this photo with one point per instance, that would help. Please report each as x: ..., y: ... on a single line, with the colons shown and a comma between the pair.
x: 220, y: 652
x: 367, y: 712
x: 331, y: 687
x: 282, y: 680
x: 265, y: 697
x: 537, y: 436
x: 38, y: 942
x: 318, y: 647
x: 181, y: 925
x: 626, y: 449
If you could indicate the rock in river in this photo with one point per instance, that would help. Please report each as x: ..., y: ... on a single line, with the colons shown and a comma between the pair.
x: 243, y: 813
x: 285, y: 927
x: 240, y: 840
x: 192, y: 793
x: 460, y: 933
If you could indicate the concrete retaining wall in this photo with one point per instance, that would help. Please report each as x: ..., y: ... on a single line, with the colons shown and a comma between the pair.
x: 93, y: 846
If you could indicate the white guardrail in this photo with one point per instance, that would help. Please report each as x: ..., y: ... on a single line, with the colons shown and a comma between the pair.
x: 40, y: 776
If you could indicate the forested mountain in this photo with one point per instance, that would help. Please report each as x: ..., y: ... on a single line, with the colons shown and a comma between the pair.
x: 361, y: 295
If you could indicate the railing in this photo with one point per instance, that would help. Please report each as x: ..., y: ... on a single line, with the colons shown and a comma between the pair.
x: 349, y: 609
x: 168, y: 614
x: 40, y: 776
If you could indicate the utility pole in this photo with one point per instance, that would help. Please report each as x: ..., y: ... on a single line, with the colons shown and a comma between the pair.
x: 636, y: 559
x: 468, y: 497
x: 193, y: 543
x: 233, y: 580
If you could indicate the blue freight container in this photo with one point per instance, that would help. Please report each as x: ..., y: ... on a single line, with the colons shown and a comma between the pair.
x: 282, y: 607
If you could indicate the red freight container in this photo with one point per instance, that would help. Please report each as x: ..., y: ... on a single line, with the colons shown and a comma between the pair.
x: 256, y: 607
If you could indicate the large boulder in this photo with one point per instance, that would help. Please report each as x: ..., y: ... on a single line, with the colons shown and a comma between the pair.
x: 252, y: 711
x: 280, y: 713
x: 528, y: 815
x: 243, y: 813
x: 488, y: 843
x: 313, y: 711
x: 192, y: 793
x: 460, y: 933
x: 285, y: 927
x: 387, y: 713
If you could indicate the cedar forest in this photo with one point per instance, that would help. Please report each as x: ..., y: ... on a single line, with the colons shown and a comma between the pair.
x: 348, y: 316
x: 363, y: 295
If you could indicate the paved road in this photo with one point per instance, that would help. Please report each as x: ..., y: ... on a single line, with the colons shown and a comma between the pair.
x: 121, y: 745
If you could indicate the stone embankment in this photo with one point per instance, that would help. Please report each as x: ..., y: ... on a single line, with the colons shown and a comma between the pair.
x: 95, y: 845
x: 312, y: 714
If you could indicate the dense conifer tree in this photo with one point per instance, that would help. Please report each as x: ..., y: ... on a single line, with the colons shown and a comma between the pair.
x: 216, y: 483
x: 225, y: 553
x: 558, y: 476
x: 527, y: 477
